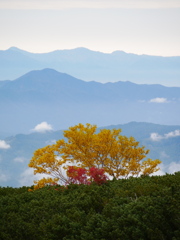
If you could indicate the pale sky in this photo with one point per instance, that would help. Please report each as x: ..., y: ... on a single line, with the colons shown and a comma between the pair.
x: 136, y: 26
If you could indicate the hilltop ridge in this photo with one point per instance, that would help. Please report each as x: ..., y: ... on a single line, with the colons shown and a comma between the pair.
x: 91, y: 65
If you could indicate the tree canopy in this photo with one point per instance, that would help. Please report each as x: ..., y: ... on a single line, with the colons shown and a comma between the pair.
x: 84, y: 147
x: 135, y: 208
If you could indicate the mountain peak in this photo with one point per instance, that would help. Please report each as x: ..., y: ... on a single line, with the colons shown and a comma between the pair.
x: 14, y: 49
x: 17, y: 51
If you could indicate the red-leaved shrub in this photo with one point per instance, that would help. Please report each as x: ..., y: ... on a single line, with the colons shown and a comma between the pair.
x: 79, y: 175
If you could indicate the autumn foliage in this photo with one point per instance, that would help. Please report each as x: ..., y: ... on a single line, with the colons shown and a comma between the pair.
x: 79, y: 175
x: 95, y: 154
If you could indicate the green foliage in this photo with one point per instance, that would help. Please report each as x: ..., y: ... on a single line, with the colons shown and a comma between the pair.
x: 135, y: 208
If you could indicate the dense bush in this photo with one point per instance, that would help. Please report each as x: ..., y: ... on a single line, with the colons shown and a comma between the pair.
x: 134, y: 208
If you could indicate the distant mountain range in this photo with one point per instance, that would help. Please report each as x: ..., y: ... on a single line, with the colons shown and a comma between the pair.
x: 62, y: 101
x: 37, y: 103
x: 52, y: 100
x: 163, y: 142
x: 93, y: 66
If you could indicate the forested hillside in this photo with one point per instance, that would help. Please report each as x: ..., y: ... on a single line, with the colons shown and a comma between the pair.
x: 134, y: 208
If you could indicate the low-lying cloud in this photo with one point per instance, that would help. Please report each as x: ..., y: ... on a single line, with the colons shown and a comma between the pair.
x: 169, y: 168
x: 158, y: 137
x: 27, y: 177
x: 42, y: 127
x: 4, y: 145
x: 158, y: 100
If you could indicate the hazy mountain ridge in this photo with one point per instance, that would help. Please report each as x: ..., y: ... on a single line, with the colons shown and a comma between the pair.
x: 91, y: 65
x: 51, y: 80
x: 63, y: 100
x: 14, y: 160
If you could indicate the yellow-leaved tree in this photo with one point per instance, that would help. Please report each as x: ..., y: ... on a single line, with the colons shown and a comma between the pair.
x: 118, y: 155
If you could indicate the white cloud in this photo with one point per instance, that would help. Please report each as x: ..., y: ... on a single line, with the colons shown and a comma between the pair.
x: 158, y: 137
x: 158, y: 100
x: 27, y: 177
x: 169, y: 168
x: 42, y: 127
x: 176, y: 133
x: 174, y: 167
x: 155, y: 137
x: 158, y: 173
x: 4, y: 145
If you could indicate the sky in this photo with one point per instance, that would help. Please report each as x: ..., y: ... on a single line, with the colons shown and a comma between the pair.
x: 134, y: 26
